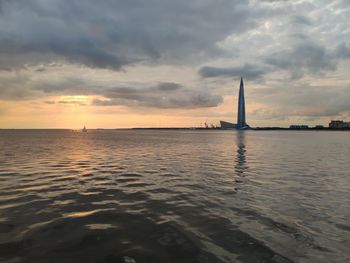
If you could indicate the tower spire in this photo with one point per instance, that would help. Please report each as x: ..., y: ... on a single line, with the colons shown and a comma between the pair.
x: 241, y: 122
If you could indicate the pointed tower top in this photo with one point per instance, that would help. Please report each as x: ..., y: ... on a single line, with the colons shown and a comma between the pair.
x: 241, y: 122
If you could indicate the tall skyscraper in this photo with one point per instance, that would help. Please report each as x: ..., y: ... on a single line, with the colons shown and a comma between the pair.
x: 241, y: 123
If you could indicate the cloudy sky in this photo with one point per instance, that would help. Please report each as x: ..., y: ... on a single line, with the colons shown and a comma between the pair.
x: 117, y: 63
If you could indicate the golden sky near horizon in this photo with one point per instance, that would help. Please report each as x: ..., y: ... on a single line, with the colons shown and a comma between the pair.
x: 123, y: 65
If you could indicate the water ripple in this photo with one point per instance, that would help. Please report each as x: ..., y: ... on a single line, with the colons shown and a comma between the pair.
x: 174, y: 196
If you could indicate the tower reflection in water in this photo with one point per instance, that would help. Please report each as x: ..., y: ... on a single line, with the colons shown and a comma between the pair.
x: 240, y: 161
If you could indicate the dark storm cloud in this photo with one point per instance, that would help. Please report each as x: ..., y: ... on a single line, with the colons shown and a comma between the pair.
x: 163, y: 95
x: 155, y: 95
x: 301, y: 99
x: 168, y: 86
x: 342, y: 51
x: 304, y: 57
x: 15, y: 87
x: 111, y: 34
x: 301, y: 20
x: 248, y: 71
x: 75, y: 85
x: 265, y: 40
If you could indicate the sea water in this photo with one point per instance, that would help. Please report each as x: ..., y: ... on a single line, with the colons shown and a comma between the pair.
x: 174, y: 196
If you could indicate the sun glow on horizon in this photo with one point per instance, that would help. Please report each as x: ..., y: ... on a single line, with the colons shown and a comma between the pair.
x: 74, y: 99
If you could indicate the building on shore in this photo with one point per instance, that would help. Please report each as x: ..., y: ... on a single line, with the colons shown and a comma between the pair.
x: 298, y: 127
x: 241, y: 117
x: 337, y: 124
x: 227, y: 125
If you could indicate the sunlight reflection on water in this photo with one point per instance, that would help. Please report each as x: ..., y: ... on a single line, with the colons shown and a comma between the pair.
x: 174, y: 196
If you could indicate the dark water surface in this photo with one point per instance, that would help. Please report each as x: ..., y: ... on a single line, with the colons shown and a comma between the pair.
x: 174, y: 196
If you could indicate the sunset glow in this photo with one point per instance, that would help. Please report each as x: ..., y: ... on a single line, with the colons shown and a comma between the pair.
x: 120, y: 73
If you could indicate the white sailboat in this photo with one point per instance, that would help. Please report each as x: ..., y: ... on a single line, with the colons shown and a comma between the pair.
x: 84, y: 129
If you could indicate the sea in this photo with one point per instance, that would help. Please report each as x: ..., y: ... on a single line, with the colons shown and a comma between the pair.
x: 174, y: 196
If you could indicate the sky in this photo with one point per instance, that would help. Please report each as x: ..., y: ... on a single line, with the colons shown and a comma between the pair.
x: 165, y: 63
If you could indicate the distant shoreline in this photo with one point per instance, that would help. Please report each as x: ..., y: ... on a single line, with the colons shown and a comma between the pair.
x: 192, y: 129
x: 252, y: 129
